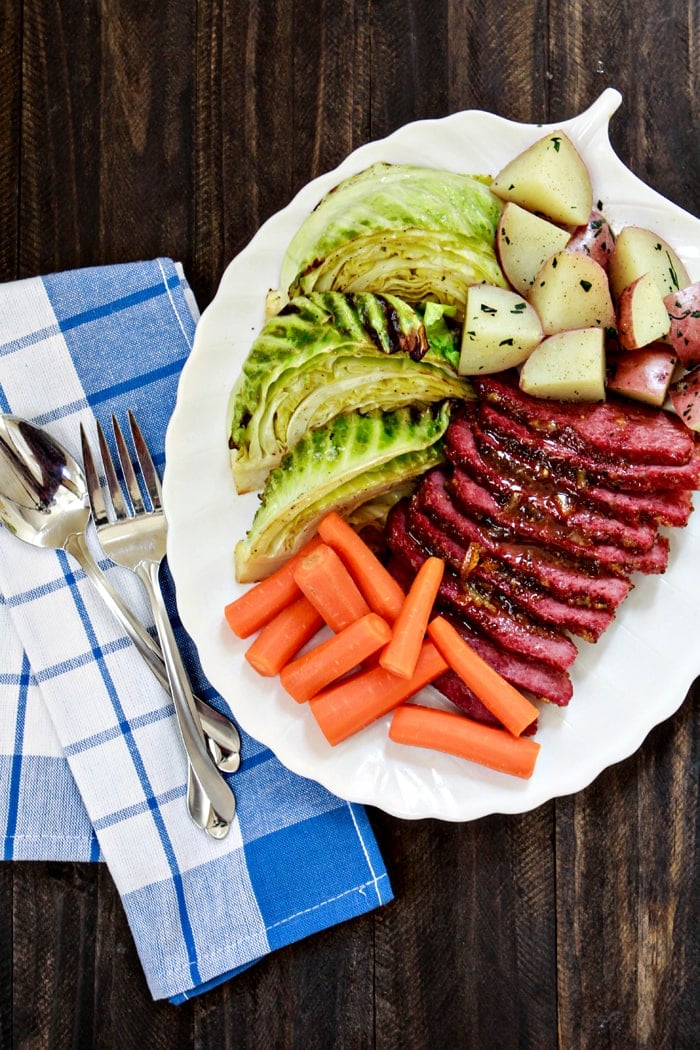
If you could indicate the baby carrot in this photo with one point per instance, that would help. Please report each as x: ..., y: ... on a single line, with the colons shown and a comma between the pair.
x: 456, y: 735
x: 330, y: 588
x: 261, y: 602
x: 401, y: 653
x: 383, y: 594
x: 509, y: 706
x: 283, y: 637
x: 314, y: 670
x: 352, y: 704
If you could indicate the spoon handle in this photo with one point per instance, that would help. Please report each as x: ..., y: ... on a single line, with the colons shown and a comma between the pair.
x: 223, y: 737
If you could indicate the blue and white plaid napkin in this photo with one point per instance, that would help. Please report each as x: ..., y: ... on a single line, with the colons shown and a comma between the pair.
x: 91, y: 767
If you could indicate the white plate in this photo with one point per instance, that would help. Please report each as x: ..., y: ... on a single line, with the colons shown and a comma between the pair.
x: 636, y: 676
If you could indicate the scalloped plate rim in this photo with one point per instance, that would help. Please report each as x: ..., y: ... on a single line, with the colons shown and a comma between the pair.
x: 369, y: 769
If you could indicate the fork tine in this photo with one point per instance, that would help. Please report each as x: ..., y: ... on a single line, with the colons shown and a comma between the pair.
x: 95, y: 493
x: 148, y: 469
x: 127, y: 469
x: 121, y: 510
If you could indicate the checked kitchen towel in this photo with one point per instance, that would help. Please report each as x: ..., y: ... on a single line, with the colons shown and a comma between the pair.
x: 91, y: 766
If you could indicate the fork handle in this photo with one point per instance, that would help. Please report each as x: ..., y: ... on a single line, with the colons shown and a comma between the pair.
x: 219, y: 729
x: 212, y: 783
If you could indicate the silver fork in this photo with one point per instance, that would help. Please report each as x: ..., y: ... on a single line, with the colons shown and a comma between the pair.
x: 134, y: 536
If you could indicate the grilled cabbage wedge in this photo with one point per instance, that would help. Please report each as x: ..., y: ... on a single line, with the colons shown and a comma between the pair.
x: 353, y: 461
x: 329, y: 353
x: 416, y: 232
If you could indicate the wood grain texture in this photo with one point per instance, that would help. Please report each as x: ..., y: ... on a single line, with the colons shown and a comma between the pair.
x: 130, y: 130
x: 473, y: 924
x: 10, y: 109
x: 655, y: 131
x: 497, y: 58
x: 626, y: 930
x: 7, y: 877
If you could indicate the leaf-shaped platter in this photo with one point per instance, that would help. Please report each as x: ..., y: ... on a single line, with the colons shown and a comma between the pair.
x: 636, y: 676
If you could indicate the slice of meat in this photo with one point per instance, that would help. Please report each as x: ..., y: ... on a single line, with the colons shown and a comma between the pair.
x: 613, y: 429
x: 585, y: 468
x: 459, y: 693
x: 665, y: 507
x: 539, y: 499
x: 554, y: 573
x: 479, y: 501
x: 588, y: 623
x: 481, y: 607
x: 532, y: 676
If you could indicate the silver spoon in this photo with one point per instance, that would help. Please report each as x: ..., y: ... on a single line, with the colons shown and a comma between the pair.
x: 44, y: 501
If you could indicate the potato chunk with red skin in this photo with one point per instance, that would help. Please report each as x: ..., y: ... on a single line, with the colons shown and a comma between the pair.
x: 643, y: 375
x: 595, y: 239
x: 638, y: 251
x: 685, y: 398
x: 642, y: 317
x: 684, y: 314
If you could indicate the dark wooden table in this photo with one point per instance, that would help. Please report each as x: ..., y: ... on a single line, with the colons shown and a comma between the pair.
x: 130, y: 130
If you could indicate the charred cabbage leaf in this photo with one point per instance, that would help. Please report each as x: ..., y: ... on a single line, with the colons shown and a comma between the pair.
x: 356, y: 459
x: 330, y: 353
x: 419, y: 233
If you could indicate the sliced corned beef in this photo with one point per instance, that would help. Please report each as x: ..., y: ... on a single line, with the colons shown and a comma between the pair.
x: 612, y: 429
x: 479, y: 501
x: 586, y: 622
x: 586, y: 468
x: 568, y: 581
x: 540, y: 500
x: 532, y: 676
x: 665, y: 507
x: 481, y: 607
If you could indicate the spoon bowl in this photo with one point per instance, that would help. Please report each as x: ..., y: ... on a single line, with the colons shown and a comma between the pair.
x: 43, y: 492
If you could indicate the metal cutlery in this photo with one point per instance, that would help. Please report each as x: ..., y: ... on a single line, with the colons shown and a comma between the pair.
x: 133, y: 534
x: 43, y: 501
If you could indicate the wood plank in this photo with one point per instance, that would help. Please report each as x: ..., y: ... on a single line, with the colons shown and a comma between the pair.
x: 496, y: 58
x: 316, y: 994
x: 593, y: 46
x: 466, y: 955
x: 429, y: 60
x: 241, y: 131
x: 6, y: 953
x: 59, y: 203
x: 53, y: 968
x: 627, y: 975
x: 255, y: 144
x: 10, y: 94
x: 106, y: 135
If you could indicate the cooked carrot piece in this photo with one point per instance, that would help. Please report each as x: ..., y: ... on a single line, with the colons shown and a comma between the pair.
x: 261, y: 602
x: 353, y: 703
x: 456, y: 735
x: 509, y: 706
x: 283, y: 637
x: 408, y: 634
x: 314, y: 670
x: 330, y: 588
x: 382, y: 593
